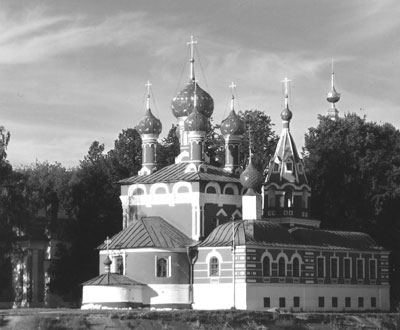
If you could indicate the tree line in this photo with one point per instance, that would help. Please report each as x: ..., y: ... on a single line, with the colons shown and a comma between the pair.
x: 353, y: 167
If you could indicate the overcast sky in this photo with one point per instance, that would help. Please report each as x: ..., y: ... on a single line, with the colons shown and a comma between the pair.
x: 72, y: 72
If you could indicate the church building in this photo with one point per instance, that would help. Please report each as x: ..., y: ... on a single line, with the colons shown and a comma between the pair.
x: 203, y: 237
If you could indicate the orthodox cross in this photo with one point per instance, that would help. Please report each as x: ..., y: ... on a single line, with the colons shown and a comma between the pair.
x: 107, y: 242
x: 286, y: 82
x: 148, y: 84
x: 192, y: 42
x: 232, y: 86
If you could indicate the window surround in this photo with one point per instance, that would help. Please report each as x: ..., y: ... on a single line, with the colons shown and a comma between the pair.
x: 163, y: 271
x: 319, y: 275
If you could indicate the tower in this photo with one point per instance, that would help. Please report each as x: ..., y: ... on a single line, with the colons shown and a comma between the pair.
x: 332, y: 97
x: 232, y: 129
x: 182, y: 106
x: 149, y: 129
x: 286, y: 190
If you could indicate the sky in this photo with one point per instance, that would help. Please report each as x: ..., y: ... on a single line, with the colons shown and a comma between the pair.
x: 74, y: 71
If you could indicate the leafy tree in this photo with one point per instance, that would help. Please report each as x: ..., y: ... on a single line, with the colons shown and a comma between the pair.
x: 263, y: 138
x: 168, y: 149
x: 354, y: 172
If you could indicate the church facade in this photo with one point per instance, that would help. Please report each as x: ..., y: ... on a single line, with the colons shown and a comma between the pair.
x: 203, y: 237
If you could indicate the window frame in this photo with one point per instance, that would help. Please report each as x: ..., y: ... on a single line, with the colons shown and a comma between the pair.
x: 322, y: 258
x: 321, y: 302
x: 360, y: 270
x: 284, y: 267
x: 166, y: 267
x: 269, y: 266
x: 296, y: 302
x: 373, y: 268
x: 334, y: 275
x: 345, y: 268
x: 298, y: 267
x: 214, y: 268
x: 267, y: 302
x: 335, y: 302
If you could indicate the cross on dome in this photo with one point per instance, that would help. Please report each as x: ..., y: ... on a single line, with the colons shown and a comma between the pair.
x: 191, y: 43
x: 232, y: 86
x: 148, y: 84
x: 107, y: 242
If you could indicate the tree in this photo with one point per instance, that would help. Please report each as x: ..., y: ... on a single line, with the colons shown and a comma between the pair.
x: 354, y: 172
x: 263, y: 139
x: 168, y: 149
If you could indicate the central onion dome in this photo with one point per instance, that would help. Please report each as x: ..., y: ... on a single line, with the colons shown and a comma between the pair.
x: 196, y: 122
x: 232, y: 125
x: 286, y: 114
x: 183, y: 103
x: 251, y: 178
x: 149, y: 124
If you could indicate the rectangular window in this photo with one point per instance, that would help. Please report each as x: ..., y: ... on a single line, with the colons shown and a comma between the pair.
x: 267, y: 302
x: 320, y: 267
x: 118, y: 265
x: 347, y: 268
x: 296, y: 301
x: 321, y: 302
x: 334, y: 267
x: 334, y: 302
x: 372, y: 269
x: 360, y: 268
x: 360, y: 302
x: 347, y: 302
x: 282, y: 302
x: 373, y: 302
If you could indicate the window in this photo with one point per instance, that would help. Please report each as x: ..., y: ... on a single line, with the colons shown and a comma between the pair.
x: 214, y: 266
x: 373, y: 302
x: 267, y: 302
x: 266, y: 267
x: 271, y: 198
x: 300, y: 167
x: 296, y: 301
x: 372, y: 269
x: 360, y: 302
x: 229, y: 191
x: 118, y: 265
x: 276, y: 167
x: 347, y: 302
x: 347, y: 267
x: 334, y: 268
x: 281, y: 267
x: 211, y: 190
x: 296, y: 267
x: 321, y: 302
x: 360, y: 268
x: 334, y: 302
x: 288, y: 197
x: 162, y: 267
x: 138, y: 191
x: 320, y: 267
x: 289, y: 165
x: 304, y: 199
x: 282, y: 302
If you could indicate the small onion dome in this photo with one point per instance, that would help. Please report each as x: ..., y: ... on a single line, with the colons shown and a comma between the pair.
x: 251, y: 178
x: 232, y: 125
x: 107, y: 262
x: 149, y: 124
x: 333, y: 96
x: 196, y: 122
x: 182, y: 104
x: 286, y: 114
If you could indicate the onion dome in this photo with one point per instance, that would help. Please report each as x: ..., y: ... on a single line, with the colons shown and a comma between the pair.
x: 251, y: 178
x: 182, y: 104
x: 196, y: 122
x: 286, y: 114
x: 107, y: 262
x: 149, y: 124
x: 232, y: 125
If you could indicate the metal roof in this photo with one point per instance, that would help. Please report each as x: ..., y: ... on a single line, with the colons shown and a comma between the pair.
x: 265, y: 233
x: 111, y: 279
x: 176, y: 172
x: 148, y: 232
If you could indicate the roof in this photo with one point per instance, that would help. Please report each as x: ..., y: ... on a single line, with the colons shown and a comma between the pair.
x: 286, y: 150
x: 111, y: 279
x: 148, y: 232
x: 176, y: 172
x: 263, y: 232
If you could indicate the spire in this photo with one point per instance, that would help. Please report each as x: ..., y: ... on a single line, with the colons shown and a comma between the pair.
x: 232, y: 86
x: 148, y: 84
x: 286, y: 114
x: 192, y: 42
x: 332, y: 97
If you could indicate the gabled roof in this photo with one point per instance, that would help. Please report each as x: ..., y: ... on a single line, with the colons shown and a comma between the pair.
x: 176, y: 172
x: 111, y: 279
x: 148, y: 232
x: 286, y: 151
x: 265, y: 233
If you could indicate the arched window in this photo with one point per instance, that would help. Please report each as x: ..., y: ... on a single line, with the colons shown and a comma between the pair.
x: 211, y: 190
x: 214, y: 266
x: 266, y: 266
x: 288, y: 197
x: 281, y: 267
x: 138, y: 191
x: 296, y: 267
x: 271, y: 197
x: 162, y: 267
x: 229, y: 191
